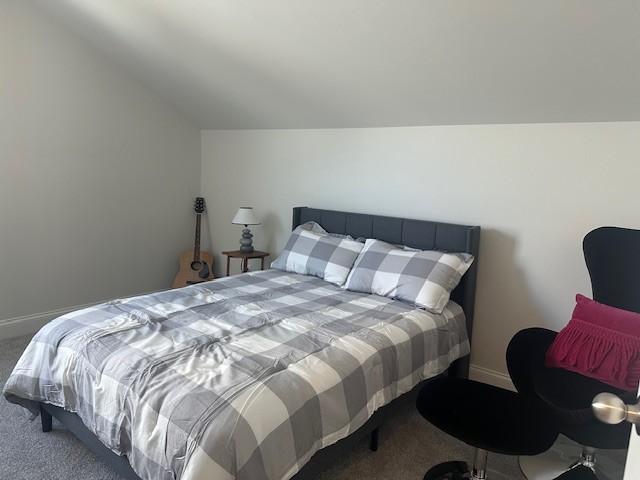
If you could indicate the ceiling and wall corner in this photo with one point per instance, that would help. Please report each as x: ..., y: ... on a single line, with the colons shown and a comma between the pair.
x: 234, y: 64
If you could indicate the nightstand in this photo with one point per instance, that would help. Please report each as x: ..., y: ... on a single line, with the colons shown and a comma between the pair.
x: 245, y: 257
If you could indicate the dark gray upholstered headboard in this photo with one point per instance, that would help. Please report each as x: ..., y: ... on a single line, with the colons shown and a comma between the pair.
x: 421, y: 234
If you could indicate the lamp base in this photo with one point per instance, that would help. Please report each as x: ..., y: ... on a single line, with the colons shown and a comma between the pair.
x: 246, y: 241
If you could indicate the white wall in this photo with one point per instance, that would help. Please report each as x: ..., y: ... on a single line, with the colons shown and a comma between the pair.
x: 97, y: 175
x: 535, y: 189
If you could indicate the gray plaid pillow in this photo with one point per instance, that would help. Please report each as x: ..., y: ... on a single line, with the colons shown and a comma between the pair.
x: 311, y: 252
x: 424, y: 277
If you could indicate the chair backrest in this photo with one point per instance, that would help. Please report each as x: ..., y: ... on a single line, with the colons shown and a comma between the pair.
x: 612, y: 255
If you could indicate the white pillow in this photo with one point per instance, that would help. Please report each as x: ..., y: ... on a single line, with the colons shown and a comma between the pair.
x: 310, y: 251
x: 422, y: 277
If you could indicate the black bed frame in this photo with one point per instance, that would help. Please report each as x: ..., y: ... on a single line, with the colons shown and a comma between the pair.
x: 422, y: 234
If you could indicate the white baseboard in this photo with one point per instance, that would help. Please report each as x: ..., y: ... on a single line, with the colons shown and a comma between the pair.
x: 30, y: 324
x: 492, y: 377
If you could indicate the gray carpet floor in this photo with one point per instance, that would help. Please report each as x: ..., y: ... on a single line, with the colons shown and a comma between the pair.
x: 408, y: 446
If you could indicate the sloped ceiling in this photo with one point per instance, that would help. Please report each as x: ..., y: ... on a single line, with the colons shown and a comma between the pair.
x: 357, y: 63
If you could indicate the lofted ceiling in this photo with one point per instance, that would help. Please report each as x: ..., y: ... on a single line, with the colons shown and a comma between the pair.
x: 357, y: 63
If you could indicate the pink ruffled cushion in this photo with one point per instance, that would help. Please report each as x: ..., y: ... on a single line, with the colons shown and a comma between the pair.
x: 599, y: 342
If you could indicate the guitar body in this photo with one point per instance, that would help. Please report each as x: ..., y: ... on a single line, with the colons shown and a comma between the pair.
x: 195, y: 266
x: 188, y: 276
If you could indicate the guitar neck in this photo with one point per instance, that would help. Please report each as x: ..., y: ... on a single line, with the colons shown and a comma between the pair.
x: 196, y: 243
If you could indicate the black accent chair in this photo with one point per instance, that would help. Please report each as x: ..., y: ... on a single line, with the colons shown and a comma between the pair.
x: 612, y: 256
x: 489, y: 418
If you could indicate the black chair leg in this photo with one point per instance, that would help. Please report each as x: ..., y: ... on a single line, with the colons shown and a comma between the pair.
x: 479, y: 470
x: 46, y: 419
x: 373, y: 441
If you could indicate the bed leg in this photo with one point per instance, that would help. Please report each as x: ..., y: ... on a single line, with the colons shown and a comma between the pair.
x: 460, y: 368
x: 46, y: 419
x: 373, y: 441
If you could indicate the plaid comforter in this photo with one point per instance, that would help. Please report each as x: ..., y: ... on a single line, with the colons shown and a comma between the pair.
x: 243, y: 377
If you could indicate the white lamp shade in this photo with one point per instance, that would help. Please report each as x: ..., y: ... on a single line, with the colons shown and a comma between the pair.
x: 245, y: 216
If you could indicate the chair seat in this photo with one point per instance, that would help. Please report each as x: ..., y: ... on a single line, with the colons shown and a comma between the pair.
x: 487, y: 417
x: 569, y: 397
x: 567, y: 394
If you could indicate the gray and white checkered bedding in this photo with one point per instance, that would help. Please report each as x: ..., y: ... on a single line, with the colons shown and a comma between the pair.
x: 243, y: 377
x: 425, y: 278
x: 310, y: 250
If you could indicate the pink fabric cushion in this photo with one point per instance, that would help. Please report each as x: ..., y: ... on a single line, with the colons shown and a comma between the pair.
x: 600, y: 342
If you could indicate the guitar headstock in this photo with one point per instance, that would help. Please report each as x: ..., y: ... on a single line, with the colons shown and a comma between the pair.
x: 199, y: 205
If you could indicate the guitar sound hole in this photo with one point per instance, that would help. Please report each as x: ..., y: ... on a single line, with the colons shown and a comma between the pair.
x: 196, y: 266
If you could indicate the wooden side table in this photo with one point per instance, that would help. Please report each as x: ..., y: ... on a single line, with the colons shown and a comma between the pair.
x: 245, y: 257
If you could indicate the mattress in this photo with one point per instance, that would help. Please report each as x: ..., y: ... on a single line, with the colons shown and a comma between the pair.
x: 243, y: 377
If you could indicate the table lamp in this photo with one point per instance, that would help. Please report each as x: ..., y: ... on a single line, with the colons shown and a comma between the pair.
x: 246, y: 217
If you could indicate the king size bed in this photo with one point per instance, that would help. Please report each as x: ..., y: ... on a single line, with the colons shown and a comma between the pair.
x: 268, y: 374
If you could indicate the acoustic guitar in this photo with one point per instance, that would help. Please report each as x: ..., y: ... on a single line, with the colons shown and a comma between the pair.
x: 195, y: 266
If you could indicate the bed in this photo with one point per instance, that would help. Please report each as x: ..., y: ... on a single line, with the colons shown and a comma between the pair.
x: 262, y: 375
